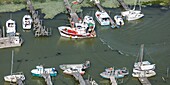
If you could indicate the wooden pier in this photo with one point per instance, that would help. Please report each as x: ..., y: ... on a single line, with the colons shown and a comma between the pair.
x: 78, y: 77
x: 19, y: 82
x: 113, y: 80
x: 47, y: 78
x: 113, y: 24
x: 144, y: 81
x: 39, y: 29
x: 73, y: 15
x: 123, y: 4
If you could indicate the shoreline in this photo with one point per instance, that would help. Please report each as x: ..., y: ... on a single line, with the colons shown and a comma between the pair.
x: 57, y: 7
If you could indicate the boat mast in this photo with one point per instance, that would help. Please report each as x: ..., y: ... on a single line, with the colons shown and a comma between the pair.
x: 12, y: 61
x: 141, y: 53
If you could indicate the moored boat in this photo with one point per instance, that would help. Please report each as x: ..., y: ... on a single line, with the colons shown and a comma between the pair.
x: 27, y: 22
x: 119, y: 20
x: 111, y: 72
x: 10, y: 41
x: 14, y: 77
x: 69, y: 32
x: 70, y: 71
x: 126, y: 13
x: 82, y: 29
x: 41, y: 70
x: 147, y: 73
x: 143, y: 68
x: 81, y: 66
x: 134, y: 16
x: 10, y: 27
x: 102, y: 17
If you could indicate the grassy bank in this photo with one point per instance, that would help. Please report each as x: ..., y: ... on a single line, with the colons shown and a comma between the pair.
x: 54, y: 7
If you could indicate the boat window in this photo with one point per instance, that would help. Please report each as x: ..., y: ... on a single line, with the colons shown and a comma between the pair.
x: 78, y: 27
x: 105, y: 19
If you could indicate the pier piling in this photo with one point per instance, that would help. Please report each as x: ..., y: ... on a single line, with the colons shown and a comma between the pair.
x: 39, y: 29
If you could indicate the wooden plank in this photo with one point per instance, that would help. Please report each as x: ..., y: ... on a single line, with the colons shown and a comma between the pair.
x: 113, y: 80
x: 123, y: 4
x: 144, y: 81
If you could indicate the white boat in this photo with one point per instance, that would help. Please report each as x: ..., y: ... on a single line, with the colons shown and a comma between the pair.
x: 27, y: 22
x: 111, y: 72
x: 78, y: 66
x: 41, y: 70
x: 133, y: 14
x: 147, y: 73
x: 14, y: 77
x: 144, y: 65
x: 10, y: 27
x: 102, y: 17
x: 126, y: 13
x: 10, y: 41
x: 88, y: 20
x: 119, y: 20
x: 143, y: 68
x: 83, y: 29
x: 73, y: 70
x: 131, y: 17
x: 69, y: 32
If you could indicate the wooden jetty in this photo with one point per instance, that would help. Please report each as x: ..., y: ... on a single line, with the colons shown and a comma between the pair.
x: 39, y: 29
x: 123, y: 4
x: 113, y: 24
x: 78, y: 77
x: 47, y: 78
x: 73, y: 15
x: 19, y: 82
x: 113, y: 80
x: 144, y: 81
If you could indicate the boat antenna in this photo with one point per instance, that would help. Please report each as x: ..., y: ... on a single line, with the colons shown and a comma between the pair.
x: 141, y: 53
x: 12, y: 61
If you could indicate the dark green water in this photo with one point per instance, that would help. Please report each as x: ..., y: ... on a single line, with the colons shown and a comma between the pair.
x: 153, y: 30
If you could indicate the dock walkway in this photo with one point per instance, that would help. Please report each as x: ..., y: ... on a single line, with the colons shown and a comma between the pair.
x: 74, y: 17
x: 113, y: 80
x: 123, y: 4
x: 144, y: 81
x: 19, y: 82
x: 78, y: 77
x: 47, y: 78
x: 39, y: 30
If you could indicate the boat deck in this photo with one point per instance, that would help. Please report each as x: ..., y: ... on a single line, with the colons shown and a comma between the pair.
x: 6, y: 42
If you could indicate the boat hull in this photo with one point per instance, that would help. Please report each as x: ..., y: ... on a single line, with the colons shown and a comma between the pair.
x: 27, y: 22
x: 149, y: 73
x: 14, y: 78
x: 134, y: 17
x: 40, y: 70
x: 102, y: 18
x: 74, y: 34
